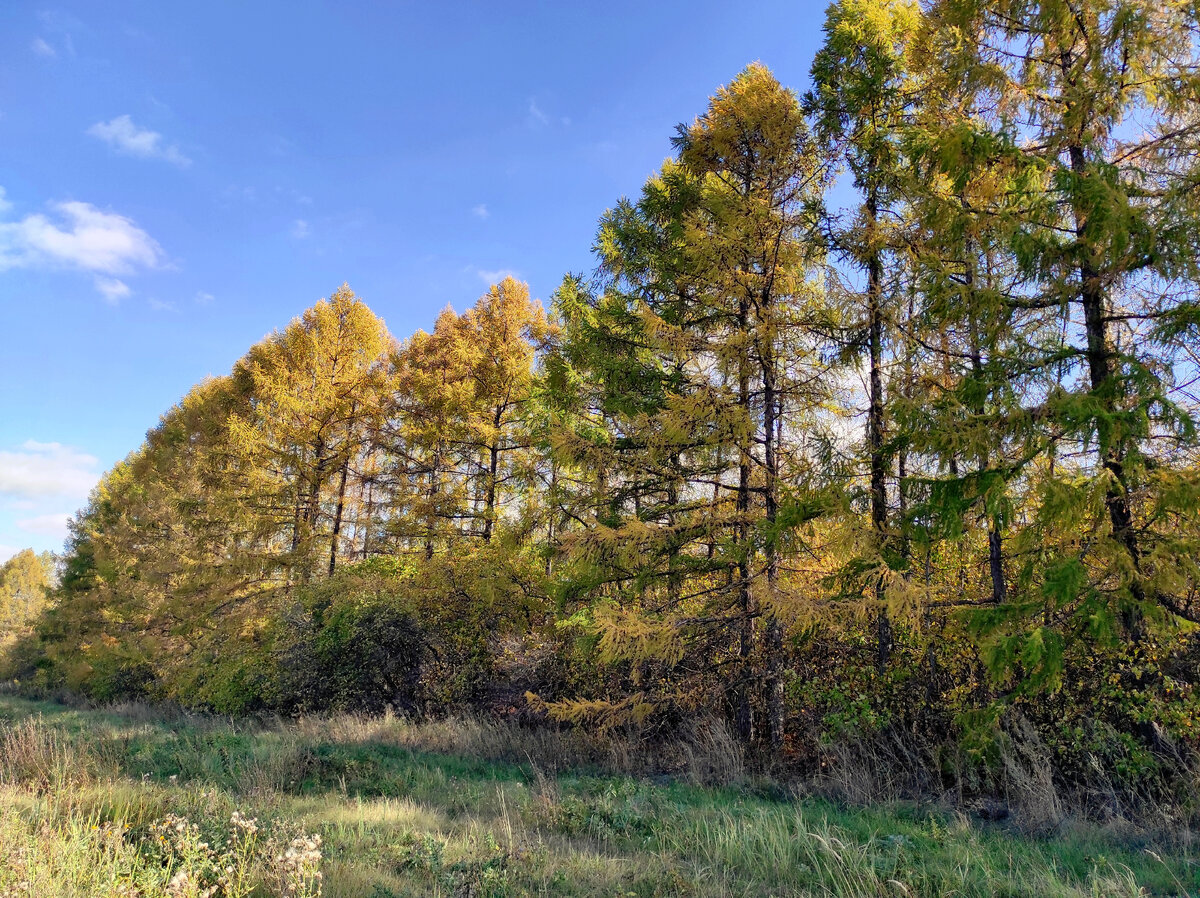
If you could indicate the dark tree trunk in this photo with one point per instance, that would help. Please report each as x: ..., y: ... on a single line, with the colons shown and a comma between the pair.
x: 878, y: 460
x: 1105, y: 388
x: 744, y: 711
x: 489, y: 511
x: 337, y: 517
x: 773, y: 637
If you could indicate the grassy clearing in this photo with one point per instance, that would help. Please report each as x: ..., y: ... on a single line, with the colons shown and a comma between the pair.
x: 129, y: 802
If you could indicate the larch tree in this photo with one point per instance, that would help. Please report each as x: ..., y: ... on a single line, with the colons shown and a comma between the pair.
x: 862, y: 98
x: 960, y: 416
x: 25, y: 580
x: 1095, y: 112
x: 423, y: 431
x: 315, y: 388
x: 707, y: 284
x: 459, y: 428
x: 500, y: 335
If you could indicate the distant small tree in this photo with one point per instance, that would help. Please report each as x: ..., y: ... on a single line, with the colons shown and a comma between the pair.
x: 25, y: 580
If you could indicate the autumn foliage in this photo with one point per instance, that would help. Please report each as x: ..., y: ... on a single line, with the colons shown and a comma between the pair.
x: 923, y: 471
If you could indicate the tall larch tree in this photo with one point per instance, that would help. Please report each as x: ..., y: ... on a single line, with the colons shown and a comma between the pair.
x: 708, y: 286
x: 460, y: 419
x: 862, y: 98
x: 961, y: 415
x: 1096, y: 108
x: 315, y: 388
x: 500, y: 335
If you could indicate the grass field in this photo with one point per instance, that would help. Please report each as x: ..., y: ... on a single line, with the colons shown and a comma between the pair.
x: 135, y: 802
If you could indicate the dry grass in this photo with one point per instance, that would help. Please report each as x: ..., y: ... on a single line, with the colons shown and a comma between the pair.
x: 408, y: 809
x: 44, y: 758
x: 707, y: 754
x: 883, y: 767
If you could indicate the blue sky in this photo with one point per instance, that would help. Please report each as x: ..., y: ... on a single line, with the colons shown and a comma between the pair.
x: 181, y: 179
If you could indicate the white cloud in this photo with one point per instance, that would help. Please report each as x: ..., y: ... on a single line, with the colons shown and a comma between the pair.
x: 126, y: 137
x: 83, y: 237
x: 160, y: 305
x: 300, y: 229
x: 53, y: 525
x: 7, y: 552
x: 41, y: 48
x: 111, y: 289
x: 204, y: 298
x: 60, y: 27
x: 36, y: 470
x: 536, y: 115
x: 480, y: 211
x: 495, y: 277
x: 86, y: 238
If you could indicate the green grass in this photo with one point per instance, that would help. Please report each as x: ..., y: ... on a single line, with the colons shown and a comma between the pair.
x: 83, y: 794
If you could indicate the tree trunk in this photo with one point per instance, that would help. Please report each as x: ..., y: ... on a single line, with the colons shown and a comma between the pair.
x: 368, y: 516
x: 773, y: 637
x: 1104, y: 388
x: 878, y: 461
x: 337, y: 517
x: 489, y: 510
x: 308, y: 519
x: 435, y: 487
x: 995, y: 538
x: 744, y: 710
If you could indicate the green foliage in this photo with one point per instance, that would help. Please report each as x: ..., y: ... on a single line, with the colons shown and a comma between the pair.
x: 351, y: 642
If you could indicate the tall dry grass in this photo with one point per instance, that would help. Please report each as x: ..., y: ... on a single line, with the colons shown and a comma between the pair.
x: 95, y: 802
x: 706, y: 754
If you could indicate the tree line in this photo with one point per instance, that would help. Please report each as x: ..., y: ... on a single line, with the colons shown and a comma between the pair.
x: 917, y: 457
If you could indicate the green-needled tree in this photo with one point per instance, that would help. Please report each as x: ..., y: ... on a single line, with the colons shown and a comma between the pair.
x: 1093, y: 112
x: 861, y: 103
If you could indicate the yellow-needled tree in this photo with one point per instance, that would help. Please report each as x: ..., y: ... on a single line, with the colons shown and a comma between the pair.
x: 709, y: 285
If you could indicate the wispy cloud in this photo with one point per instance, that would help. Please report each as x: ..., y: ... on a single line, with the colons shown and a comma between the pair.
x: 536, y: 115
x: 53, y: 524
x: 204, y: 298
x: 59, y: 27
x: 495, y: 277
x: 83, y: 237
x: 126, y: 137
x: 480, y: 211
x: 300, y: 229
x: 111, y: 289
x: 160, y: 305
x: 37, y: 470
x: 43, y: 49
